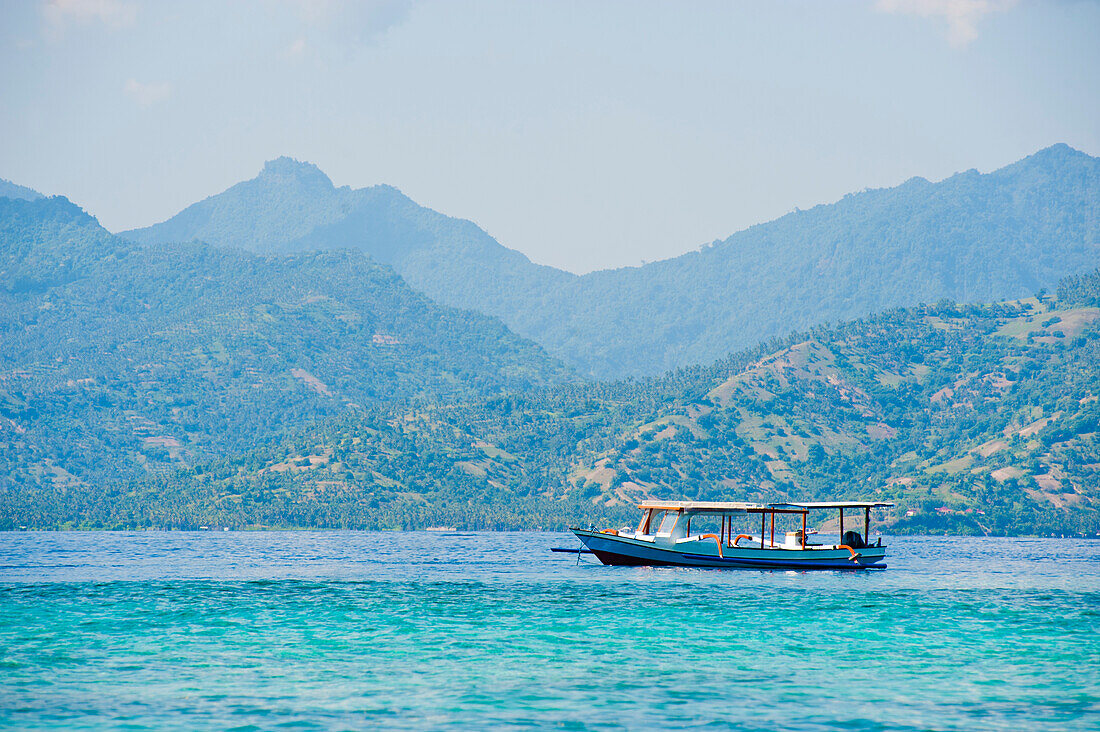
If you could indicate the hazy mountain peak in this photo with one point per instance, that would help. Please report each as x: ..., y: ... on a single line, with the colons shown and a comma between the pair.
x: 292, y: 206
x: 969, y: 237
x: 14, y: 190
x: 52, y: 208
x: 1055, y: 160
x: 285, y: 201
x: 1058, y: 149
x: 287, y: 168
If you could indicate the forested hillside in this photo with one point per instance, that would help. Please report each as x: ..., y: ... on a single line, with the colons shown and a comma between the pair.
x: 971, y: 237
x: 119, y: 360
x: 973, y: 418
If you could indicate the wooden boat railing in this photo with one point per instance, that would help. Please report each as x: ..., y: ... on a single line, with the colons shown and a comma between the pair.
x: 854, y: 557
x: 717, y: 541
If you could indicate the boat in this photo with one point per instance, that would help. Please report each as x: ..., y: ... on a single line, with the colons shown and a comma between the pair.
x: 664, y: 537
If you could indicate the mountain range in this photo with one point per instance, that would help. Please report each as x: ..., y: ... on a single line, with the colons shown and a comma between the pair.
x: 118, y: 359
x: 290, y: 353
x: 972, y: 237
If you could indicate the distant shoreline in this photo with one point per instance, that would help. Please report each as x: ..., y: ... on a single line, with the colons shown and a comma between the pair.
x: 459, y: 530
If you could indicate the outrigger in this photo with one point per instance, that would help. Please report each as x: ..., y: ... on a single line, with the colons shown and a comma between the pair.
x: 664, y: 538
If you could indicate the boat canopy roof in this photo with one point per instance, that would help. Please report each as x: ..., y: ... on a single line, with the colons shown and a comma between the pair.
x: 703, y: 506
x: 741, y: 507
x: 832, y: 504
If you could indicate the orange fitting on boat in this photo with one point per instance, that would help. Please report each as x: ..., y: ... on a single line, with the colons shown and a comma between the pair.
x: 717, y: 541
x: 613, y: 532
x: 740, y: 537
x: 850, y: 551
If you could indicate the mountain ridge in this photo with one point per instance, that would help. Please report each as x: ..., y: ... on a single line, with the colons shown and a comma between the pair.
x: 970, y: 237
x: 14, y: 190
x: 118, y: 358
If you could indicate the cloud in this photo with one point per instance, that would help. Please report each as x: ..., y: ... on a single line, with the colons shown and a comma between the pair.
x: 357, y: 22
x: 961, y: 16
x: 148, y: 94
x: 112, y: 13
x: 297, y: 48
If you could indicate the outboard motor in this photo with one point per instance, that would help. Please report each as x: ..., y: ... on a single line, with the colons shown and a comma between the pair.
x: 853, y: 539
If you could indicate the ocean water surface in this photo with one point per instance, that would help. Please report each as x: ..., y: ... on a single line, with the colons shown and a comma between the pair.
x: 416, y: 630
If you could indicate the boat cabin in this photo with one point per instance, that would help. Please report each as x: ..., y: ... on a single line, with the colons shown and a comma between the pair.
x: 735, y: 535
x: 671, y: 522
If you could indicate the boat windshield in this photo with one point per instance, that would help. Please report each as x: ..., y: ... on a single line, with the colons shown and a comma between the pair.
x: 668, y: 522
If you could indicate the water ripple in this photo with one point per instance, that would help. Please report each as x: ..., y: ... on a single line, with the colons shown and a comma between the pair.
x: 358, y: 630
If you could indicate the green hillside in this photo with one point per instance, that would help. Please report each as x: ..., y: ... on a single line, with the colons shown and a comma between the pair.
x: 973, y: 418
x: 971, y: 237
x: 119, y: 360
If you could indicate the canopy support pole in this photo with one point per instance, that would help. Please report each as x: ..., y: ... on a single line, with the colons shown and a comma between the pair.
x: 773, y: 529
x: 804, y: 529
x: 867, y: 526
x: 762, y: 519
x: 841, y: 525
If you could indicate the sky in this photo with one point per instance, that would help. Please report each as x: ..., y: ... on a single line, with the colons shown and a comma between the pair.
x: 587, y: 134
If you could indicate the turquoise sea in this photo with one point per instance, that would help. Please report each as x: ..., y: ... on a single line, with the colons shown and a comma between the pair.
x: 365, y: 630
